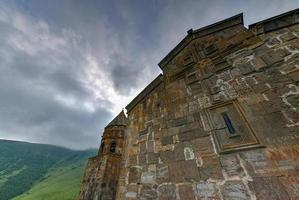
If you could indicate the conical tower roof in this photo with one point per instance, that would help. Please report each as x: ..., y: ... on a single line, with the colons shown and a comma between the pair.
x: 119, y: 120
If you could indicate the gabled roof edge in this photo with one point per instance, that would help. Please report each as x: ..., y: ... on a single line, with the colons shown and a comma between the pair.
x: 273, y: 23
x: 218, y: 26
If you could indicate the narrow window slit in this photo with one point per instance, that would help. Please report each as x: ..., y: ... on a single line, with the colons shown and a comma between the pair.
x: 228, y: 123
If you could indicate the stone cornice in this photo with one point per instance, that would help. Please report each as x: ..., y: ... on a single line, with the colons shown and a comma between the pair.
x: 276, y: 22
x: 194, y: 34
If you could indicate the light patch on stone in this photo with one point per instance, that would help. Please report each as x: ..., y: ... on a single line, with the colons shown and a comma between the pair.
x: 265, y: 97
x: 199, y: 161
x: 206, y: 190
x: 213, y: 143
x: 131, y: 195
x: 148, y: 177
x: 189, y: 154
x: 293, y: 52
x: 284, y: 96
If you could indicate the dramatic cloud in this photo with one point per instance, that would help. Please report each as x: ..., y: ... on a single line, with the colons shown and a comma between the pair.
x: 68, y: 67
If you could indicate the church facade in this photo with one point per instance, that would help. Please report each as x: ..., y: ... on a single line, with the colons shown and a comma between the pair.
x: 221, y: 122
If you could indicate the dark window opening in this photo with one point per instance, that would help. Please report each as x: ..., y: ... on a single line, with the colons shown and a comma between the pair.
x: 113, y: 147
x: 103, y: 185
x: 228, y: 123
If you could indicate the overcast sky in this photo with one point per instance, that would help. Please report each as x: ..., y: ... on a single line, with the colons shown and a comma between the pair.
x: 68, y: 67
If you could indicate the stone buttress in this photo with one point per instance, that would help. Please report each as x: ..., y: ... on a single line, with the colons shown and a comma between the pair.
x: 102, y: 171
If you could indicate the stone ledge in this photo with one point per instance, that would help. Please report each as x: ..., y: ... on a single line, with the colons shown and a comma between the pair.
x: 274, y: 23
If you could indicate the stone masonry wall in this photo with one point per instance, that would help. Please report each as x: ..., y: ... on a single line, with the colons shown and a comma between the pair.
x: 222, y: 122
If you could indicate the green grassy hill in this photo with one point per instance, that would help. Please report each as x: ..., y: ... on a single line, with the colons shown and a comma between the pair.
x: 40, y: 172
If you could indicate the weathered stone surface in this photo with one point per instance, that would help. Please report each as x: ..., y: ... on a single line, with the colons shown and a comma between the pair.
x: 221, y: 122
x: 269, y: 188
x: 134, y: 175
x: 167, y: 156
x: 207, y: 190
x: 211, y: 168
x: 167, y: 192
x: 148, y: 193
x: 167, y: 140
x: 142, y: 146
x: 183, y: 171
x: 231, y: 165
x: 141, y: 159
x: 234, y: 190
x: 162, y: 173
x: 291, y: 185
x: 148, y: 177
x: 152, y: 158
x: 272, y: 57
x: 186, y: 192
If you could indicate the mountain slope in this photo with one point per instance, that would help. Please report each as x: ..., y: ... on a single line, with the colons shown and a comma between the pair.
x: 59, y: 183
x: 48, y: 170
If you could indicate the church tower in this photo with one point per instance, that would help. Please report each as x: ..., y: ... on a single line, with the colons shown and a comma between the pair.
x: 102, y: 171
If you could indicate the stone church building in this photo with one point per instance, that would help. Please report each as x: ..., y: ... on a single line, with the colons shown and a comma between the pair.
x: 221, y: 122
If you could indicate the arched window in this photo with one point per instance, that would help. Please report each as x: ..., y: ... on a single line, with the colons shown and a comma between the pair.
x: 113, y: 147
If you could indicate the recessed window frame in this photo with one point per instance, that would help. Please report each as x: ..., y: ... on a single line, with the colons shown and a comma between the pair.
x: 241, y: 112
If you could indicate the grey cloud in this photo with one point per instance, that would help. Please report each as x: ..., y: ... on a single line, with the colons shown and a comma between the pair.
x: 45, y: 94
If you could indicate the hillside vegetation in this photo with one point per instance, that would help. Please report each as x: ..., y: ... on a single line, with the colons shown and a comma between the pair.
x: 40, y: 172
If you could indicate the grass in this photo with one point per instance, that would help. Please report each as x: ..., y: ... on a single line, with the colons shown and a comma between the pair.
x: 61, y: 183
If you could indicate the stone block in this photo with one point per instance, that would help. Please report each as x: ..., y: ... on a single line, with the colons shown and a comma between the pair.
x: 203, y: 146
x: 291, y: 185
x: 246, y: 68
x: 167, y: 156
x: 287, y: 36
x: 179, y: 121
x: 268, y: 188
x: 142, y: 159
x: 143, y: 132
x: 151, y: 146
x: 148, y: 193
x: 294, y: 75
x: 134, y: 175
x: 183, y: 171
x: 191, y: 135
x: 186, y: 192
x: 179, y: 151
x: 165, y: 140
x: 231, y: 165
x: 132, y: 192
x: 221, y: 66
x: 210, y: 49
x: 207, y: 190
x: 261, y: 50
x: 211, y: 168
x: 235, y: 190
x: 171, y: 131
x: 258, y: 63
x: 132, y: 160
x: 152, y: 158
x: 257, y: 163
x: 272, y: 57
x: 148, y: 177
x: 167, y: 192
x: 273, y: 41
x: 162, y: 173
x: 142, y: 147
x: 131, y: 195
